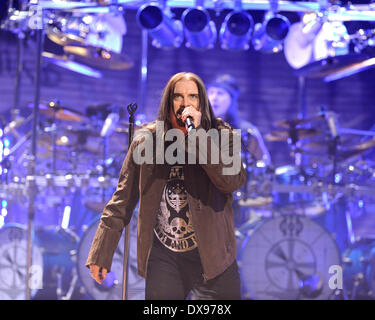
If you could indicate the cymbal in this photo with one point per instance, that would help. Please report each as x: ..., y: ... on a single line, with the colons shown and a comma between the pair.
x: 293, y: 123
x: 348, y: 154
x: 363, y: 146
x: 66, y: 63
x: 329, y: 65
x: 54, y: 110
x: 64, y: 39
x: 349, y: 70
x: 99, y: 57
x: 297, y: 134
x: 345, y: 145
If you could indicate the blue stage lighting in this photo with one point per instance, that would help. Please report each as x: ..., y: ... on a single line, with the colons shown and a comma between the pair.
x: 200, y: 31
x: 236, y: 30
x: 269, y: 35
x: 165, y: 31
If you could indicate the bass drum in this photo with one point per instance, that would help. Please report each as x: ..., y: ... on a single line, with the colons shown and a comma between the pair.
x: 359, y: 269
x: 289, y: 258
x: 52, y: 276
x: 111, y: 288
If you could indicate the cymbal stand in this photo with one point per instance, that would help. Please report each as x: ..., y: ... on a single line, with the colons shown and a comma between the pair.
x: 17, y: 82
x: 32, y: 188
x: 55, y: 107
x: 250, y: 163
x: 104, y: 172
x: 332, y: 151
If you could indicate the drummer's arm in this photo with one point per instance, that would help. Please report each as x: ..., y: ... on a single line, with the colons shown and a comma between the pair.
x: 257, y: 147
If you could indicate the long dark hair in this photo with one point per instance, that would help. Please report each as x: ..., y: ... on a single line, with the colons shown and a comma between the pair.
x: 208, y: 120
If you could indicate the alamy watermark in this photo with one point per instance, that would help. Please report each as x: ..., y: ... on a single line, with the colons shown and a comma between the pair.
x: 214, y: 147
x: 335, y: 281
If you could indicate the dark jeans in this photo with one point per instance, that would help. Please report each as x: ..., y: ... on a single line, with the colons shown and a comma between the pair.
x: 172, y: 275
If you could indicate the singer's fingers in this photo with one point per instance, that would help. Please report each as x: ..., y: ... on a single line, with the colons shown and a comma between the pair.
x: 103, y: 273
x: 94, y: 271
x: 189, y: 111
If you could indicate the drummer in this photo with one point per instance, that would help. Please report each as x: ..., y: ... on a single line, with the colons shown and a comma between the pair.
x: 223, y: 94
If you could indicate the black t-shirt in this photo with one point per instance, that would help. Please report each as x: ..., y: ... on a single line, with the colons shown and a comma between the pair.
x: 174, y: 226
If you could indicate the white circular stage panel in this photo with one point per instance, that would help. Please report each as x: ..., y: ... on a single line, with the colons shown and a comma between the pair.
x: 288, y: 258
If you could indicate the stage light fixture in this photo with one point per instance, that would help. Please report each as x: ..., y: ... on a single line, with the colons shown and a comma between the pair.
x: 269, y: 35
x: 236, y: 30
x: 200, y: 32
x: 165, y: 31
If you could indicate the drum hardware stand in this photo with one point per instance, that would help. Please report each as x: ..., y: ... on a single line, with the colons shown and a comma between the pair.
x: 32, y: 188
x: 53, y: 129
x: 332, y: 151
x: 72, y: 286
x: 5, y: 163
x: 131, y: 110
x: 17, y: 83
x: 302, y: 96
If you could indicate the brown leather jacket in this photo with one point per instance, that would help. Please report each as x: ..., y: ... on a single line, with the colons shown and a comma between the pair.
x: 210, y: 203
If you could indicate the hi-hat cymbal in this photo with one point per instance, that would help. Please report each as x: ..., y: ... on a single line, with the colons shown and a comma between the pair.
x: 56, y: 111
x: 329, y: 65
x: 296, y: 134
x: 99, y: 57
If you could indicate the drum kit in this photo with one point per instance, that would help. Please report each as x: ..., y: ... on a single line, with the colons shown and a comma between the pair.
x: 314, y: 215
x: 79, y: 158
x: 58, y: 165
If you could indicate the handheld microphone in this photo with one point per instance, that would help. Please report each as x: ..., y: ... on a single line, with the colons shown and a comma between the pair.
x: 189, y: 123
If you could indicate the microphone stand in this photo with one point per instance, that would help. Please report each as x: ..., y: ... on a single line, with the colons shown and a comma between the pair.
x: 131, y: 110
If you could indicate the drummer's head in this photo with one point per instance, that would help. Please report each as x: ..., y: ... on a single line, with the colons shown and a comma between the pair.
x: 223, y: 94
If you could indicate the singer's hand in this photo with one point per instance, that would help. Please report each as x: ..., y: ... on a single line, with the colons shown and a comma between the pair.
x: 192, y: 112
x: 98, y: 273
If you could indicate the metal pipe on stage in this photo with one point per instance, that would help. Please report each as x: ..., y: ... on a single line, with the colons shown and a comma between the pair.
x: 143, y: 70
x: 18, y: 78
x: 37, y: 25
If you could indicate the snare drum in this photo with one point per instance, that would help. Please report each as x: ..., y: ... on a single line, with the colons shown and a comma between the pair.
x: 52, y: 275
x: 279, y: 256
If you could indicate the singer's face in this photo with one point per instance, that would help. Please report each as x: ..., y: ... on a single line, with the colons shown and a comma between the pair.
x: 185, y: 94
